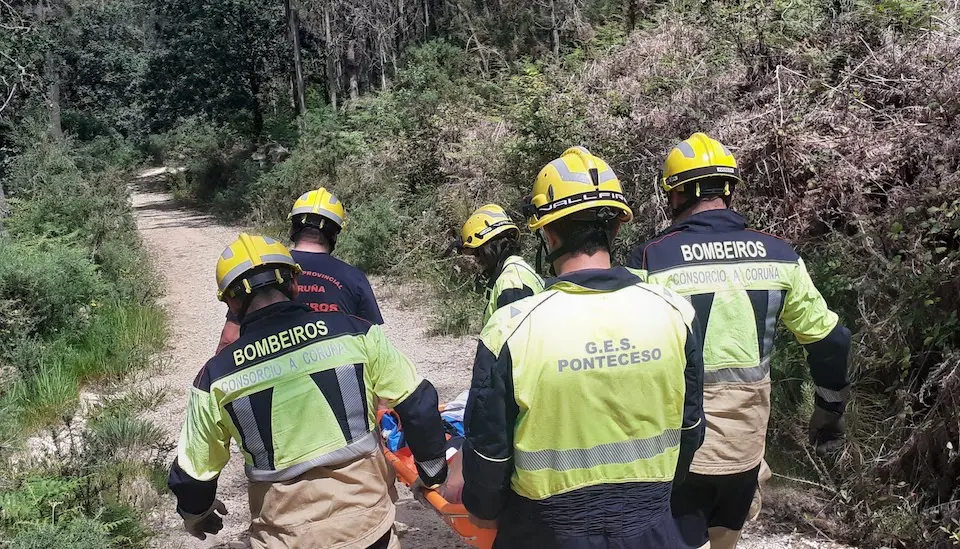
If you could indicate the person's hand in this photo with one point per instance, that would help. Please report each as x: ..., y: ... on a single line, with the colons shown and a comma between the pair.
x: 827, y: 430
x: 418, y: 488
x: 209, y: 522
x: 482, y: 523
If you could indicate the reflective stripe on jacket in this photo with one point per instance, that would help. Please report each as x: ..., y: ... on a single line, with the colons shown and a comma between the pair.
x: 516, y: 281
x: 572, y: 389
x: 740, y: 282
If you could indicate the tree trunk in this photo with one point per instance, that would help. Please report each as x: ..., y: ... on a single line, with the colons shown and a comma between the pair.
x: 255, y: 106
x: 630, y: 14
x: 330, y: 57
x: 555, y: 29
x: 51, y: 74
x: 3, y: 205
x: 352, y: 69
x: 293, y: 24
x: 426, y: 17
x: 399, y: 37
x: 383, y: 66
x: 53, y: 97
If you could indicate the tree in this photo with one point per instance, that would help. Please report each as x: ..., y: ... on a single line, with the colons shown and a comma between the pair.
x: 215, y: 58
x: 293, y: 30
x: 102, y: 53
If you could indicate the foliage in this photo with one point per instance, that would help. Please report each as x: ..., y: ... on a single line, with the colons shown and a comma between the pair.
x: 102, y: 63
x: 371, y: 244
x: 214, y: 59
x: 59, y: 194
x: 76, y: 310
x: 74, y: 534
x: 33, y: 297
x: 215, y: 163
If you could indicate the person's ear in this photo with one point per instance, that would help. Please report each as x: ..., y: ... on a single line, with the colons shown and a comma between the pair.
x: 551, y: 238
x: 675, y: 200
x: 294, y: 289
x: 233, y: 305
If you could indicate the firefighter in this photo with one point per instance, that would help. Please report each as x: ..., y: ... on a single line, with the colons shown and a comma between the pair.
x: 494, y: 240
x: 296, y: 392
x: 581, y: 411
x: 741, y: 282
x: 326, y: 284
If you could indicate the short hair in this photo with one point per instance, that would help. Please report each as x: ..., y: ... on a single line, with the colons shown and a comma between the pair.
x: 593, y: 236
x: 313, y: 234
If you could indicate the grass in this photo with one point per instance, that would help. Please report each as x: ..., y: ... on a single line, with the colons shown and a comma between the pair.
x: 77, y: 313
x: 120, y: 340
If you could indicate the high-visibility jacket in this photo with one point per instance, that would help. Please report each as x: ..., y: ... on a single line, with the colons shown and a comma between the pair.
x: 297, y: 392
x: 515, y: 281
x: 740, y: 282
x: 573, y: 392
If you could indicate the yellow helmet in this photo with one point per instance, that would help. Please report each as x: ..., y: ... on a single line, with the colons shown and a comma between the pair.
x: 485, y: 224
x: 575, y: 182
x: 322, y: 203
x: 248, y: 252
x: 696, y: 159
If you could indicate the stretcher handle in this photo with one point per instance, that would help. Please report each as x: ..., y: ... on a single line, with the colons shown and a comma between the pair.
x: 409, y: 477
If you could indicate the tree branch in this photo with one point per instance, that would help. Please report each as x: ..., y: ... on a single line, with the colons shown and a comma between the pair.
x: 13, y: 89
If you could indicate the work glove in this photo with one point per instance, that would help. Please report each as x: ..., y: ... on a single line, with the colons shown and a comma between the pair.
x: 209, y: 522
x: 826, y: 431
x: 418, y: 488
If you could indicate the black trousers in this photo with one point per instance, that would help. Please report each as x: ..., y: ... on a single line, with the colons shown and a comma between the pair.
x: 383, y: 542
x: 701, y: 502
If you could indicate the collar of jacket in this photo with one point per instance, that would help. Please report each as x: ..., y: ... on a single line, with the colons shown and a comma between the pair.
x: 510, y: 260
x: 710, y: 221
x: 593, y: 280
x: 261, y: 317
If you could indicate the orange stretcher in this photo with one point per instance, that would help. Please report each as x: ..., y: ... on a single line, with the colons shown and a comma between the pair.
x: 454, y: 514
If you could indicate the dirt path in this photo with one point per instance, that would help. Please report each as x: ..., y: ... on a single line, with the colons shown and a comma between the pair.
x: 186, y: 246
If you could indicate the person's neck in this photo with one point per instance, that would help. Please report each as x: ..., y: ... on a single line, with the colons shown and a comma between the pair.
x: 569, y: 263
x: 262, y: 302
x: 314, y: 247
x: 701, y: 206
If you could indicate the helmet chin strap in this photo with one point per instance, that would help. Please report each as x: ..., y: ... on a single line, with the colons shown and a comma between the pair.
x: 540, y: 249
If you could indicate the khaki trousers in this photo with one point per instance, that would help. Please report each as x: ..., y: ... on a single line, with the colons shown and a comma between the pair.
x: 347, y: 506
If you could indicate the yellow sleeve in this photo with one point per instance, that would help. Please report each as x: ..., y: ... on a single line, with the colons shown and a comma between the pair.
x: 805, y: 312
x: 393, y: 376
x: 204, y: 446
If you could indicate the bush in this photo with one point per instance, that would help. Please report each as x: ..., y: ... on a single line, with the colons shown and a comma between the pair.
x: 75, y: 534
x: 46, y: 289
x: 322, y: 147
x: 59, y: 193
x: 218, y: 163
x: 369, y: 239
x: 76, y: 308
